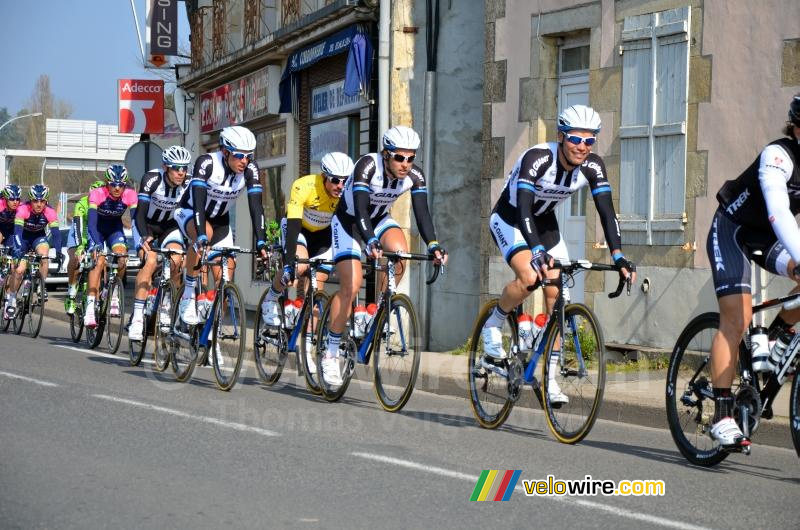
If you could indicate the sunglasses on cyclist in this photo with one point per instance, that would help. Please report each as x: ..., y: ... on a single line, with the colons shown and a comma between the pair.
x: 116, y: 184
x: 400, y: 158
x: 576, y: 140
x: 335, y: 180
x: 177, y: 167
x: 241, y: 156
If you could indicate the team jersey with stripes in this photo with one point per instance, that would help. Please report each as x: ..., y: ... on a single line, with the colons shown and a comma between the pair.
x: 160, y: 196
x: 766, y: 196
x: 310, y: 202
x: 539, y: 173
x: 222, y: 185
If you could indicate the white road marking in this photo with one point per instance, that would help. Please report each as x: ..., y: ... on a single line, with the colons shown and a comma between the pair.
x: 118, y: 357
x: 28, y: 379
x: 180, y: 414
x: 572, y: 500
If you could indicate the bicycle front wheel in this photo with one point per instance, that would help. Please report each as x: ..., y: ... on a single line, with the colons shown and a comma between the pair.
x: 4, y: 323
x: 690, y: 402
x: 396, y: 353
x: 76, y: 318
x: 36, y: 306
x: 182, y: 344
x: 228, y: 337
x: 345, y: 360
x: 23, y: 305
x: 308, y: 346
x: 162, y: 323
x: 575, y: 376
x: 488, y: 382
x: 115, y: 316
x: 269, y: 346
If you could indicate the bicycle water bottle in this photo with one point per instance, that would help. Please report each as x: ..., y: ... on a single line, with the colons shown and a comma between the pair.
x: 539, y: 322
x: 289, y: 314
x: 371, y: 310
x: 525, y: 331
x: 360, y: 318
x: 759, y: 348
x: 26, y: 287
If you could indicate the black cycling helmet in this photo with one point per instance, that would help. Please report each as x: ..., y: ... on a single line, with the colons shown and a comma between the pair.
x: 794, y: 110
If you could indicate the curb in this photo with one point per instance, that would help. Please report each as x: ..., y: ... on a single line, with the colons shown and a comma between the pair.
x: 445, y: 376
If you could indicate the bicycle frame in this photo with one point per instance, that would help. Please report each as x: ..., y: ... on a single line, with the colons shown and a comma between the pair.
x: 308, y: 302
x: 224, y: 253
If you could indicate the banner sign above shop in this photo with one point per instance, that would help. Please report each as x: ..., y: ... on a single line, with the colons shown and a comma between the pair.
x: 234, y: 103
x: 330, y: 99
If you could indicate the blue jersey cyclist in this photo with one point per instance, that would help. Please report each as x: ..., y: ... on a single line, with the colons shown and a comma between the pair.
x: 34, y: 224
x: 362, y: 223
x: 524, y: 226
x: 9, y: 202
x: 107, y: 205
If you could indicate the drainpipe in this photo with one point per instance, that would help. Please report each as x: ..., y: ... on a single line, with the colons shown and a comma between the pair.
x: 431, y: 45
x: 384, y: 31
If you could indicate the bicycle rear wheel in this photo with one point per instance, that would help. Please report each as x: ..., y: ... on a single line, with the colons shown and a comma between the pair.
x: 794, y: 411
x: 3, y: 322
x: 36, y: 303
x: 308, y: 338
x: 580, y: 375
x: 396, y: 354
x: 182, y: 343
x: 228, y: 337
x: 690, y: 402
x: 23, y: 303
x: 346, y: 359
x: 138, y: 348
x: 115, y: 316
x: 162, y: 323
x: 488, y: 388
x: 269, y: 346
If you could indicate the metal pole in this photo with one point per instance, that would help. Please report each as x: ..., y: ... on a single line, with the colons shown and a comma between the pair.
x: 41, y: 172
x: 15, y: 118
x: 384, y: 30
x: 138, y: 35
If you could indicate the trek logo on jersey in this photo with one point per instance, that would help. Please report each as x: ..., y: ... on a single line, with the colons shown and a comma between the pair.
x: 740, y: 200
x: 718, y: 264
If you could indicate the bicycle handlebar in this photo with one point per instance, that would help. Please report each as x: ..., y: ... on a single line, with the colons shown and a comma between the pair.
x: 398, y: 255
x: 572, y: 266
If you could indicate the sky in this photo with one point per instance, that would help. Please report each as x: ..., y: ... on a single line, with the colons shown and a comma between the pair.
x: 85, y: 46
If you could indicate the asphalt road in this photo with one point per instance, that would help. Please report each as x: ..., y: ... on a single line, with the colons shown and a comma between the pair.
x: 86, y: 441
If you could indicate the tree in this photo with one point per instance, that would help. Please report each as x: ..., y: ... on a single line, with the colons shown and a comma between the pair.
x: 26, y: 171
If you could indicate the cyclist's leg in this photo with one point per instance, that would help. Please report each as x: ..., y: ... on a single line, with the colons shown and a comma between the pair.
x: 186, y: 224
x: 731, y: 275
x: 392, y: 240
x: 42, y: 248
x: 558, y: 251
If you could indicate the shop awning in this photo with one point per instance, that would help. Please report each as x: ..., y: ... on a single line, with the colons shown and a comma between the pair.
x: 352, y: 40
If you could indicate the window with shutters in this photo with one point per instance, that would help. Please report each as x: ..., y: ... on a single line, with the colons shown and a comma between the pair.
x: 655, y: 73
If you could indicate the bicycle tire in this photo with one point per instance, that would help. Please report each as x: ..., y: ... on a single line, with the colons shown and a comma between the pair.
x: 581, y: 376
x: 689, y: 423
x: 138, y: 348
x: 76, y: 318
x: 346, y: 358
x: 22, y: 311
x: 5, y: 322
x: 94, y: 336
x: 794, y: 411
x: 269, y: 345
x: 312, y: 382
x: 162, y: 323
x: 488, y: 391
x: 36, y: 301
x: 115, y: 324
x: 396, y: 356
x: 228, y: 337
x: 183, y: 343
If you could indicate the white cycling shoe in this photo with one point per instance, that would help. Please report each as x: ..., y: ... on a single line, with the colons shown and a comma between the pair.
x: 492, y: 339
x: 330, y: 371
x: 728, y: 435
x: 188, y: 311
x: 135, y: 331
x: 270, y: 313
x: 554, y: 393
x: 312, y: 363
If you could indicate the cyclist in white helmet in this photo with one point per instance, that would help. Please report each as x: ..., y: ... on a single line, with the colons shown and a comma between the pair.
x: 524, y: 226
x: 160, y: 193
x: 306, y: 229
x: 362, y: 224
x: 217, y: 181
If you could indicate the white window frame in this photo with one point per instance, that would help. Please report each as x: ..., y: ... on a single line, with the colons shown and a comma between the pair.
x: 654, y: 31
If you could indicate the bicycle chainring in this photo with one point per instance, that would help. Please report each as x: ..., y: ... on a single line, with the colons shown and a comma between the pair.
x: 515, y: 369
x: 748, y: 396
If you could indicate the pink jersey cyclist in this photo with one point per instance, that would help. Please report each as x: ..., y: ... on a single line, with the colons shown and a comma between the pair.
x: 30, y: 228
x: 105, y: 215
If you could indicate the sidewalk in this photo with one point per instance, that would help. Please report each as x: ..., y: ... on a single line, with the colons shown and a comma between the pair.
x: 630, y: 397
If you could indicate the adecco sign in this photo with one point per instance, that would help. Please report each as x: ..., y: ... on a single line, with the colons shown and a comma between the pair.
x: 141, y: 106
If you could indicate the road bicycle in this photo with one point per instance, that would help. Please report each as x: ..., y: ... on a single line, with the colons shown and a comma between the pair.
x: 271, y: 345
x: 221, y: 331
x: 157, y: 313
x: 79, y: 302
x: 690, y: 397
x: 6, y: 264
x: 393, y: 337
x: 109, y: 306
x: 573, y: 333
x: 31, y: 297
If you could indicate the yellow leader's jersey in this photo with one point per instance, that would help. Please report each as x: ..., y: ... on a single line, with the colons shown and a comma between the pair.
x: 310, y: 202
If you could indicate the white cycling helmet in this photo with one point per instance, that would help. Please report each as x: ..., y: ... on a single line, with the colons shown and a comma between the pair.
x: 579, y: 117
x: 237, y: 138
x: 176, y: 155
x: 336, y: 164
x: 400, y: 137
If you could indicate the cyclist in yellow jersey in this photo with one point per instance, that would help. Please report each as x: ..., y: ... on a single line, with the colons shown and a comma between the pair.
x: 307, y: 227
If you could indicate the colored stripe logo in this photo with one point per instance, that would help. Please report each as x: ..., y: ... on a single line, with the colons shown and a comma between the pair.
x: 495, y: 485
